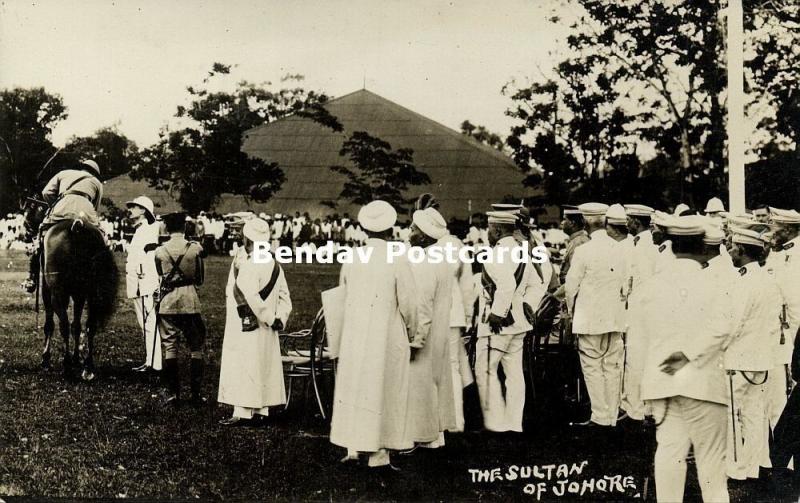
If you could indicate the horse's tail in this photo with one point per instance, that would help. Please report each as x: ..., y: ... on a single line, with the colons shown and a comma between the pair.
x: 103, y: 296
x: 104, y: 275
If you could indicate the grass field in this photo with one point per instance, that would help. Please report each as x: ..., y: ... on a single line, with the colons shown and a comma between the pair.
x: 112, y: 438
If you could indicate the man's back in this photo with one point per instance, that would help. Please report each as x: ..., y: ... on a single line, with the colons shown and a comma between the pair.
x: 594, y: 284
x: 679, y: 306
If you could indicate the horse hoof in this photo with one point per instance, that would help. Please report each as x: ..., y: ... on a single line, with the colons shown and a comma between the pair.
x: 87, y: 375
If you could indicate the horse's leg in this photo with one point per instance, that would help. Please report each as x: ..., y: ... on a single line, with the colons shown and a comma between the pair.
x: 88, y: 364
x: 60, y: 305
x: 49, y: 324
x: 77, y: 313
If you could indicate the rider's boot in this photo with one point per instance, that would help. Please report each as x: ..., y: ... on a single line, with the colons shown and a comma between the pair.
x: 29, y: 285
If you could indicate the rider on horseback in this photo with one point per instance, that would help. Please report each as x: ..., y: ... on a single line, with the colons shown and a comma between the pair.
x: 70, y: 194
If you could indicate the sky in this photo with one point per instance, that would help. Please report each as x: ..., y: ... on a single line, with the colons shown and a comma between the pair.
x: 127, y: 63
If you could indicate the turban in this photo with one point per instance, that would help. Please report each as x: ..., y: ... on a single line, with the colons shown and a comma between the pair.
x: 430, y: 222
x: 377, y: 216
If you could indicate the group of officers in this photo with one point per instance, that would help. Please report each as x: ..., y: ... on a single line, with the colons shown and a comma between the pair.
x: 690, y: 319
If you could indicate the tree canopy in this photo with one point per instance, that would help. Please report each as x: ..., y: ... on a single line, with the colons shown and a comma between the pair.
x: 27, y: 119
x: 203, y: 159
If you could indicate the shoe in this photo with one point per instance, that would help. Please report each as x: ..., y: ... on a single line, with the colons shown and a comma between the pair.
x: 349, y: 459
x: 411, y: 451
x: 384, y: 470
x: 28, y: 286
x: 235, y: 421
x: 169, y: 399
x: 141, y: 368
x: 587, y: 423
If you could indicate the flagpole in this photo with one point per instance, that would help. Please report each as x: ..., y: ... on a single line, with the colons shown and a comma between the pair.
x: 736, y: 100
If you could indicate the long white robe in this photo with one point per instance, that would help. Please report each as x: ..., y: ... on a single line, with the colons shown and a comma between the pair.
x: 431, y: 407
x: 371, y: 395
x: 251, y: 372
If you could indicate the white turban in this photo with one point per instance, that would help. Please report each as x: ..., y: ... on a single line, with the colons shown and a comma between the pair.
x: 377, y: 216
x: 430, y: 222
x: 256, y: 229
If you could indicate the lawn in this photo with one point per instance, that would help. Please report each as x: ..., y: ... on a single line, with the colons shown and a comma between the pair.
x: 112, y: 437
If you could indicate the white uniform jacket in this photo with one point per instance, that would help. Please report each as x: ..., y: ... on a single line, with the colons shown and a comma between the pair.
x: 504, y: 286
x: 676, y: 305
x: 594, y: 286
x: 141, y: 260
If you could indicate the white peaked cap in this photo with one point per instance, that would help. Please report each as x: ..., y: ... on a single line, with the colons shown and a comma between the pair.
x: 593, y: 209
x: 780, y: 216
x: 377, y: 216
x: 638, y: 210
x: 689, y: 225
x: 430, y: 222
x: 749, y: 237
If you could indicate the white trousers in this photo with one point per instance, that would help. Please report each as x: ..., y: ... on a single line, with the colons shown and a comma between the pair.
x: 601, y: 363
x: 461, y: 374
x: 249, y: 412
x: 501, y: 413
x: 146, y: 317
x: 683, y: 423
x: 748, y: 425
x: 776, y: 394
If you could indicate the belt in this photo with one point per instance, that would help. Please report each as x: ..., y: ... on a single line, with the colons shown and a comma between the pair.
x: 79, y: 193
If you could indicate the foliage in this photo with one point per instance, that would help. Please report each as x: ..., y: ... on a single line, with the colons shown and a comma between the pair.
x: 203, y: 160
x: 639, y: 74
x: 112, y: 150
x: 27, y: 118
x: 771, y: 74
x: 483, y: 135
x: 378, y: 171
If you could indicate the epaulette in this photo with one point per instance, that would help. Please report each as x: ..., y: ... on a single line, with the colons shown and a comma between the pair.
x: 742, y: 271
x: 705, y: 265
x: 662, y: 248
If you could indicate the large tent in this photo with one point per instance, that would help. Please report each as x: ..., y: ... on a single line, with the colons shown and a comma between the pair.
x: 466, y: 175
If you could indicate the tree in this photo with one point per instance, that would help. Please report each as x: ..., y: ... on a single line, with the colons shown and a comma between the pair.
x: 639, y: 74
x: 200, y: 162
x: 377, y: 171
x: 771, y: 74
x: 482, y: 135
x: 27, y: 118
x: 112, y: 150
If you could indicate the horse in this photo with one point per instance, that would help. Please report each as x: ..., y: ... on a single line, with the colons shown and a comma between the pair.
x: 77, y: 266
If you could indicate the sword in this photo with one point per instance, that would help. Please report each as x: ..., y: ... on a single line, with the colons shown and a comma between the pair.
x: 733, y: 415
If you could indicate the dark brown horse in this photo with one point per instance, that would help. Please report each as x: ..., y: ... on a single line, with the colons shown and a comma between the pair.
x: 77, y: 266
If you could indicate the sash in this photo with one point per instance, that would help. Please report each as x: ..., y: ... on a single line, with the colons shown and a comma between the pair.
x: 490, y: 287
x: 273, y: 279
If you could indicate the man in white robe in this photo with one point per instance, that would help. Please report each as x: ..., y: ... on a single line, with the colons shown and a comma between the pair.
x: 371, y: 395
x: 431, y: 410
x: 142, y: 278
x: 460, y: 315
x: 257, y: 308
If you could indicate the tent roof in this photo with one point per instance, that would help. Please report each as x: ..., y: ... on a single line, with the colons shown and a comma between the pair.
x: 464, y: 173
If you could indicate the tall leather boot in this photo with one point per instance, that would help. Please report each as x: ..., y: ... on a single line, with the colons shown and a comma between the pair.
x: 169, y: 374
x: 196, y: 369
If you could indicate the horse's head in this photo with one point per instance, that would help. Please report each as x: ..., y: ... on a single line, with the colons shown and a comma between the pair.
x: 34, y: 211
